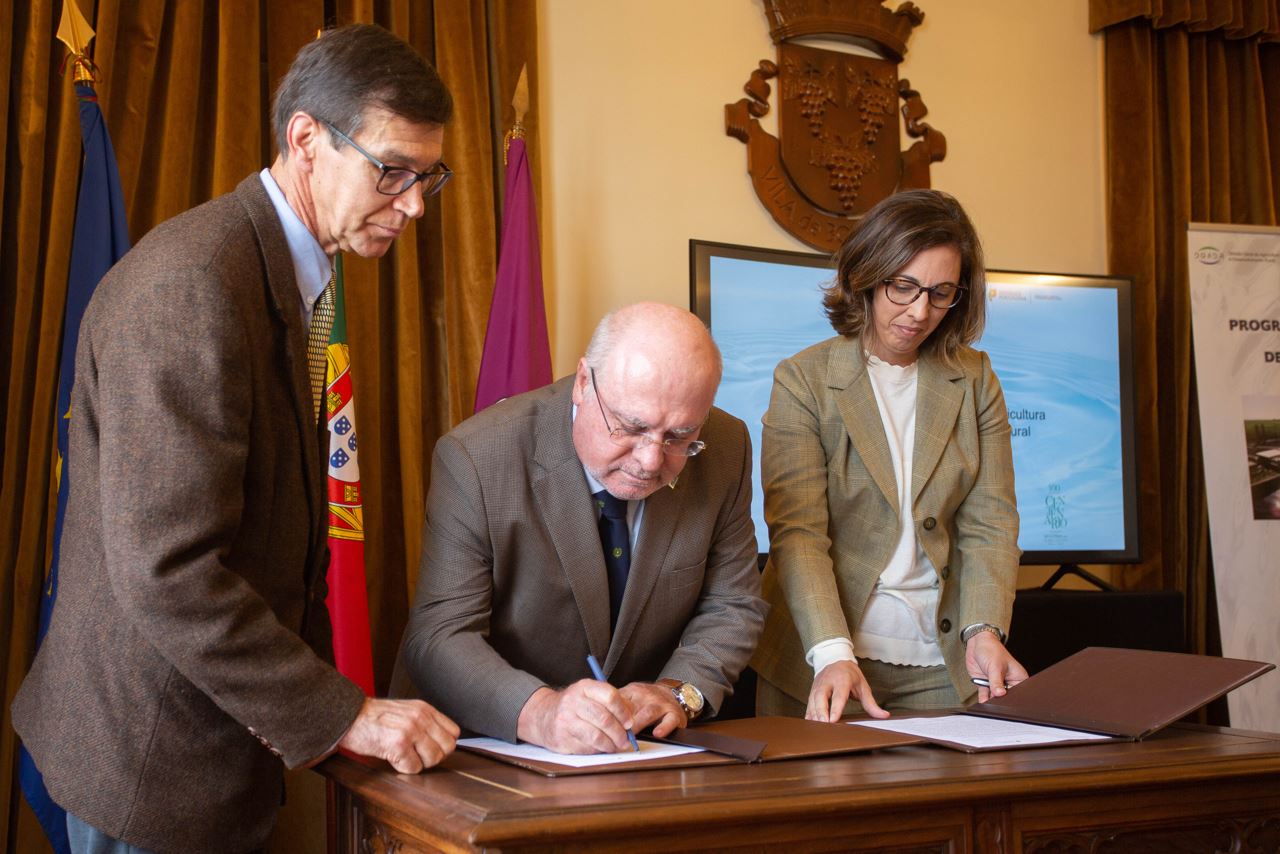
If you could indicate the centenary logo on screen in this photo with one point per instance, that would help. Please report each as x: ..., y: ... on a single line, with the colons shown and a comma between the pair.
x: 1208, y: 255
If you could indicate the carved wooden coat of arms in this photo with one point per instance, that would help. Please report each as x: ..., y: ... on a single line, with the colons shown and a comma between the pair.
x: 837, y: 150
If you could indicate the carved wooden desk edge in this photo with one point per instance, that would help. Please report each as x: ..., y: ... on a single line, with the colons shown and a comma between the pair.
x: 984, y: 801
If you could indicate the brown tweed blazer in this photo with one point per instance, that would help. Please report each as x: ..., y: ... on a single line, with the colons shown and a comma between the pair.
x: 193, y: 553
x: 832, y: 508
x: 512, y: 592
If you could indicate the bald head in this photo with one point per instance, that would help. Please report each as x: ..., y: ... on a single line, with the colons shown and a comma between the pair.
x: 658, y: 337
x: 656, y: 372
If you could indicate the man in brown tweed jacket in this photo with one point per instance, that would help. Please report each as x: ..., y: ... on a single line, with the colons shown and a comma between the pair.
x: 514, y: 591
x: 186, y: 662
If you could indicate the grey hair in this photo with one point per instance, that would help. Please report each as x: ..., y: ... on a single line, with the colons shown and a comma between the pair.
x: 348, y: 70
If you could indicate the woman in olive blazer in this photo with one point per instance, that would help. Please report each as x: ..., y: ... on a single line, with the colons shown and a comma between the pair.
x: 888, y: 483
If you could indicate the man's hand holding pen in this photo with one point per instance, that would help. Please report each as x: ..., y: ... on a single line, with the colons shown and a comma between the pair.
x: 591, y: 716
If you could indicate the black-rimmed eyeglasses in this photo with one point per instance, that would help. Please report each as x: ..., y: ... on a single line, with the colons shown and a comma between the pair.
x: 904, y: 291
x: 394, y: 180
x: 629, y: 437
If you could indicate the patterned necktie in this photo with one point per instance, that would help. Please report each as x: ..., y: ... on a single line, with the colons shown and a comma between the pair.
x: 616, y: 540
x: 318, y: 342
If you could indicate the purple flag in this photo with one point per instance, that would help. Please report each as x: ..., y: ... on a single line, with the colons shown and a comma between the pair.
x: 516, y: 357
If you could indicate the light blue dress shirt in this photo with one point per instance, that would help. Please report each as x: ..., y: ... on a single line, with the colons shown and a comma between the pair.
x: 311, y: 267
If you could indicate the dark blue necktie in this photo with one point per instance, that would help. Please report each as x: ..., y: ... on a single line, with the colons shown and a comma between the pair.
x: 616, y: 540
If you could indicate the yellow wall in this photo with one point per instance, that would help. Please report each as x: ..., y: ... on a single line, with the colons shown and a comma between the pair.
x: 636, y: 161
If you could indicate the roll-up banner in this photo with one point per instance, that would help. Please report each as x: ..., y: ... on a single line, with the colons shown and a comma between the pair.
x: 1234, y: 273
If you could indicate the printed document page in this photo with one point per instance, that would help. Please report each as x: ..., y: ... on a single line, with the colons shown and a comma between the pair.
x: 980, y: 733
x: 648, y: 750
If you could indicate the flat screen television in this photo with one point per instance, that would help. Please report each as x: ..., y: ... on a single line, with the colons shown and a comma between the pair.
x: 1061, y: 346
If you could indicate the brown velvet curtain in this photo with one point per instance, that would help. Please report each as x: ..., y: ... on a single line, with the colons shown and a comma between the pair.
x: 1193, y: 135
x: 185, y: 88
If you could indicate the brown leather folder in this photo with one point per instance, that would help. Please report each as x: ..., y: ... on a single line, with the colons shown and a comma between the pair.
x: 1125, y: 693
x: 733, y: 742
x: 791, y: 738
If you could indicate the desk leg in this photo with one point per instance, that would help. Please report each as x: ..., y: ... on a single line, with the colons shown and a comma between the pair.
x: 331, y: 816
x: 343, y: 822
x: 992, y: 829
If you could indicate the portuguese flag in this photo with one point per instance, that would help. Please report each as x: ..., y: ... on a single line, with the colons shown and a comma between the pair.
x: 348, y: 597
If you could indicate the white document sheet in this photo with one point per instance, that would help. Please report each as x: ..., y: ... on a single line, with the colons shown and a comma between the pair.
x: 648, y: 750
x: 980, y: 733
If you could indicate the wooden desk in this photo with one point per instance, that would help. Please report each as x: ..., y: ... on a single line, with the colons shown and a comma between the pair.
x: 1187, y: 789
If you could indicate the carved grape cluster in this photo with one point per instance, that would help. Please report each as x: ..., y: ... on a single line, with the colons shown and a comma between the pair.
x: 846, y: 169
x: 872, y: 110
x: 813, y: 98
x: 812, y: 87
x: 876, y: 99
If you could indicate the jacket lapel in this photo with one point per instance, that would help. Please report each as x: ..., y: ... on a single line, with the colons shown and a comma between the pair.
x: 282, y: 288
x: 856, y: 402
x: 938, y: 399
x: 565, y: 502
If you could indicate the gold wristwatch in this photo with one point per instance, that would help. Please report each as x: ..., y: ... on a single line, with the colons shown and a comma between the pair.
x: 687, y: 695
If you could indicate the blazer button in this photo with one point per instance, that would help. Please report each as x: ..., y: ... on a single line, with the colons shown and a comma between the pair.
x: 944, y: 626
x: 946, y: 573
x: 930, y: 523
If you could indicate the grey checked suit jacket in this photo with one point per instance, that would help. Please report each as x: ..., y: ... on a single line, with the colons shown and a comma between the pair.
x: 193, y: 555
x: 831, y: 502
x: 512, y: 593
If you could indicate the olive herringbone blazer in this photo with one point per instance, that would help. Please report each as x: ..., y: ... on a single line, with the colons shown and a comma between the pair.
x: 512, y: 592
x: 832, y: 507
x: 180, y: 655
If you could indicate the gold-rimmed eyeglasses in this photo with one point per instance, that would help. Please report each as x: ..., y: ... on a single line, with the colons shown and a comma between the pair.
x: 629, y: 437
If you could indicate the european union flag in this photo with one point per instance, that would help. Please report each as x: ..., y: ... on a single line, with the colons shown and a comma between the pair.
x: 101, y: 237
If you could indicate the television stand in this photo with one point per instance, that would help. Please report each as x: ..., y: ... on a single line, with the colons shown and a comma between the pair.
x: 1049, y: 624
x: 1079, y: 571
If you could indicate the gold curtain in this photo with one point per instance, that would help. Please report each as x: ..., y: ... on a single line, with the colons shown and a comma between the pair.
x: 1192, y: 107
x: 185, y: 88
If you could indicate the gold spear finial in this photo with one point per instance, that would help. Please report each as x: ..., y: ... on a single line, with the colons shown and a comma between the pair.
x: 521, y: 98
x: 74, y: 31
x: 519, y: 101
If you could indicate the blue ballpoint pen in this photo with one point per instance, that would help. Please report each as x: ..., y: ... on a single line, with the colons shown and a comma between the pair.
x: 599, y: 675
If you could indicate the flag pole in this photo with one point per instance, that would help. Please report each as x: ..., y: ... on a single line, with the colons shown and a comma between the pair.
x: 520, y: 103
x: 74, y: 31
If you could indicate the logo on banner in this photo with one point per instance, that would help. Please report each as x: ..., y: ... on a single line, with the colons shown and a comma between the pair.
x: 1208, y: 255
x: 837, y: 152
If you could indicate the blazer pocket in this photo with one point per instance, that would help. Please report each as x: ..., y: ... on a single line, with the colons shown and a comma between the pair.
x: 683, y: 578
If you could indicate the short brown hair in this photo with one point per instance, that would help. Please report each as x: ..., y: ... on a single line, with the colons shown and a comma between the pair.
x: 892, y: 233
x: 350, y: 69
